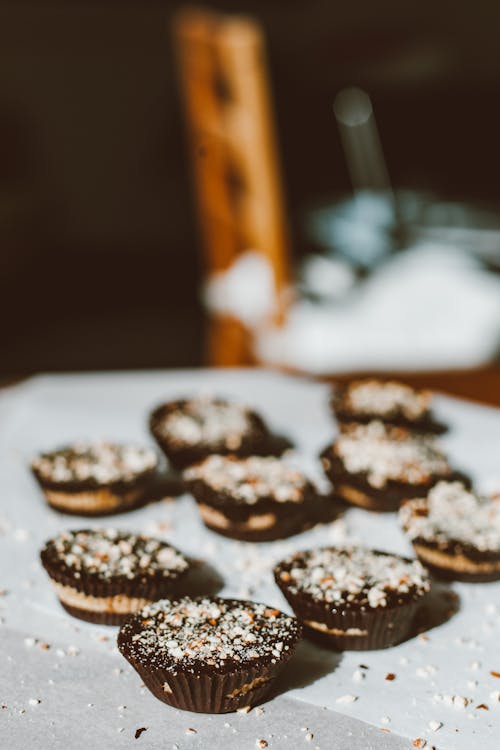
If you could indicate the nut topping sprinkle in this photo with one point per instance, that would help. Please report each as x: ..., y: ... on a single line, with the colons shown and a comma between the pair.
x: 451, y: 513
x: 389, y: 453
x: 101, y: 462
x: 108, y: 553
x: 191, y: 633
x: 353, y: 576
x: 385, y: 399
x: 207, y: 421
x: 248, y: 480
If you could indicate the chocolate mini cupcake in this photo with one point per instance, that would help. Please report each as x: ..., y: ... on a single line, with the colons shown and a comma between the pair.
x: 189, y: 430
x: 389, y: 401
x: 104, y: 575
x: 455, y: 532
x: 209, y: 655
x: 353, y: 598
x: 92, y: 479
x: 376, y: 466
x: 253, y: 499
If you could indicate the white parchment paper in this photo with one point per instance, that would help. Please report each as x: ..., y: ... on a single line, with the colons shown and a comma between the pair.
x: 456, y: 657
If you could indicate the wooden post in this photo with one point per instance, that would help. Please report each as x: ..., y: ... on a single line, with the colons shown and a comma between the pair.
x: 233, y: 151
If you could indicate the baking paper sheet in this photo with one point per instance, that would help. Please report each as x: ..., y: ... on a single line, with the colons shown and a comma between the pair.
x: 88, y: 694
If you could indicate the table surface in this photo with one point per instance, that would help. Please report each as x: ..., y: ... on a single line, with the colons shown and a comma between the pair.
x: 480, y: 384
x: 81, y: 680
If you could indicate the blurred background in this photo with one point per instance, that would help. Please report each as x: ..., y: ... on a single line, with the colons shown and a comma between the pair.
x: 392, y: 197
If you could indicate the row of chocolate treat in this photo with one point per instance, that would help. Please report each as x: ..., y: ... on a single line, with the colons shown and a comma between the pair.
x: 384, y: 455
x: 214, y: 655
x: 229, y: 459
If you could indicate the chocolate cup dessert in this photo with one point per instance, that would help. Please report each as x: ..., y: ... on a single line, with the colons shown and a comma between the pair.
x: 105, y: 575
x: 95, y: 479
x: 189, y: 430
x: 376, y: 466
x: 455, y: 532
x: 353, y: 598
x: 253, y: 499
x: 209, y: 655
x: 390, y: 401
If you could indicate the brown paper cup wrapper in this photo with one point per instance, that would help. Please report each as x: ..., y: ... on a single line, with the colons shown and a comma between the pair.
x: 379, y: 627
x: 99, y: 618
x: 90, y: 586
x: 449, y: 574
x: 210, y: 693
x: 283, y: 528
x: 93, y: 503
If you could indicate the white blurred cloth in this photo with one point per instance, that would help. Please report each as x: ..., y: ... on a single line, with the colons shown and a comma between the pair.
x: 246, y: 290
x: 432, y: 307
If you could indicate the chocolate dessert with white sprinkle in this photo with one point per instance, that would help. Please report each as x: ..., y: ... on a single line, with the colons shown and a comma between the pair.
x: 105, y: 575
x: 376, y: 466
x: 209, y: 655
x: 353, y: 598
x: 253, y: 499
x: 92, y: 479
x: 390, y: 401
x: 455, y: 532
x: 189, y: 430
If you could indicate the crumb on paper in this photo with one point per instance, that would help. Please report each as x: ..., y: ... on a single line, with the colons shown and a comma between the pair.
x: 457, y: 701
x: 426, y: 671
x: 358, y: 675
x: 261, y: 744
x: 347, y: 698
x: 139, y: 731
x: 390, y: 676
x: 435, y: 725
x: 190, y: 730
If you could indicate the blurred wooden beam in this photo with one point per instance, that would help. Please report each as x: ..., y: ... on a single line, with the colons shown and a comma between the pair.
x: 224, y: 82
